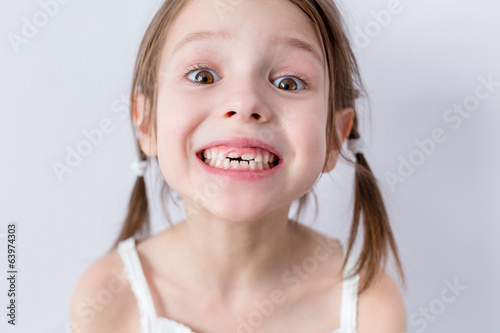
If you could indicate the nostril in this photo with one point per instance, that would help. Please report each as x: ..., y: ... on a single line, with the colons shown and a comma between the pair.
x: 254, y: 115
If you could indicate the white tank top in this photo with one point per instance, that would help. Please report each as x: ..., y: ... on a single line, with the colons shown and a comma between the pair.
x: 151, y: 323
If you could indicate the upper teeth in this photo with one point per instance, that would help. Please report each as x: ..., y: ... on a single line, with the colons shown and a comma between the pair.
x: 267, y: 157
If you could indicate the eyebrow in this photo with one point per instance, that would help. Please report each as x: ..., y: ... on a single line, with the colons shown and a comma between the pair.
x: 275, y: 41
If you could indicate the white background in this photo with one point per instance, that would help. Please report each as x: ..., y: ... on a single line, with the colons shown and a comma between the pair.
x: 75, y: 70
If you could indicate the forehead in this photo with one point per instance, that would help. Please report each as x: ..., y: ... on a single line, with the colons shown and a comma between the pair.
x: 261, y: 23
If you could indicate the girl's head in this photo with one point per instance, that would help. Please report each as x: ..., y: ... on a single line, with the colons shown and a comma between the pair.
x: 279, y: 73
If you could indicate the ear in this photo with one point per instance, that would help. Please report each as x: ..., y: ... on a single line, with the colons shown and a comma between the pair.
x: 344, y: 120
x: 141, y: 111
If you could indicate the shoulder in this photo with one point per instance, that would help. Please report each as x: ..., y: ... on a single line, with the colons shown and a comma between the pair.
x: 102, y: 296
x: 381, y: 307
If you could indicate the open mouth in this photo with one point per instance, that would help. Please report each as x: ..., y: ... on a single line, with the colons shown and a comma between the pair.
x: 238, y: 158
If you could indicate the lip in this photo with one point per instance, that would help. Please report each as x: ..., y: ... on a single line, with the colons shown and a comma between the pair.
x: 243, y: 175
x: 241, y: 142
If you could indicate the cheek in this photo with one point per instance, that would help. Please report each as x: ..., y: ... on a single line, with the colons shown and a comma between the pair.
x: 310, y: 140
x: 178, y: 114
x: 176, y: 118
x: 309, y: 146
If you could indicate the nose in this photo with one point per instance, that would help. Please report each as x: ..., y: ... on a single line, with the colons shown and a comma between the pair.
x: 246, y: 101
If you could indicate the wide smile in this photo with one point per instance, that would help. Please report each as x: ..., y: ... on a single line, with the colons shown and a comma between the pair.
x: 239, y: 163
x: 242, y: 159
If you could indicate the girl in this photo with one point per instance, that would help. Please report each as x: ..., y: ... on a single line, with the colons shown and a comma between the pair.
x: 244, y: 104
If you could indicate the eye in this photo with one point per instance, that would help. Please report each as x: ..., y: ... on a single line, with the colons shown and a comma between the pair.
x: 202, y: 74
x: 205, y: 74
x: 290, y: 84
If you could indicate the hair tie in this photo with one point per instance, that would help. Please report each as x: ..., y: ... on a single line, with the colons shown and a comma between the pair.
x: 356, y: 146
x: 139, y: 167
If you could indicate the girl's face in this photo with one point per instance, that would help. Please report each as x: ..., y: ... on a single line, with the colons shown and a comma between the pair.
x: 242, y: 69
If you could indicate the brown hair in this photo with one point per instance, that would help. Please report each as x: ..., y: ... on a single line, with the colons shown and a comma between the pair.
x: 343, y: 72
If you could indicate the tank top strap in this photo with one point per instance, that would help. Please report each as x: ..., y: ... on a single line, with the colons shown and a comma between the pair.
x: 349, y: 305
x: 138, y: 283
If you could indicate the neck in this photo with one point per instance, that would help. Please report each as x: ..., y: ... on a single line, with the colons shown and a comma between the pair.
x: 227, y: 257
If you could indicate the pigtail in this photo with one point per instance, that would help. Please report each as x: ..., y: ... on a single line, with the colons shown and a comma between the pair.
x: 137, y: 221
x: 378, y: 236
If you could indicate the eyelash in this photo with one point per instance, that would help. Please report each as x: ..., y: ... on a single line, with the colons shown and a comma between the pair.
x: 201, y: 67
x: 197, y: 67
